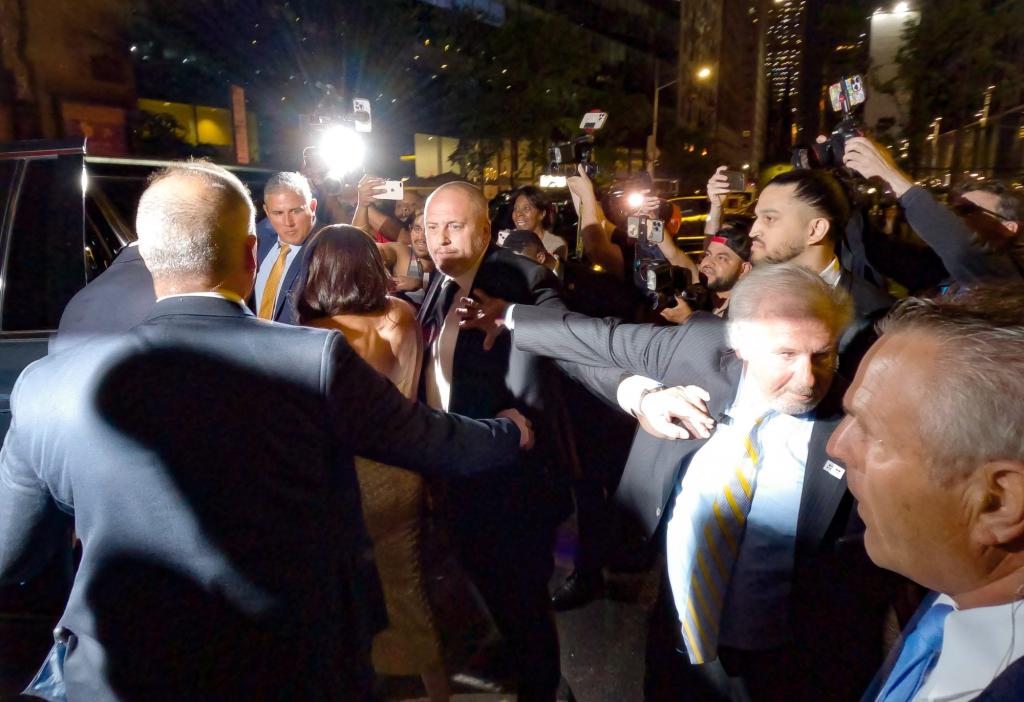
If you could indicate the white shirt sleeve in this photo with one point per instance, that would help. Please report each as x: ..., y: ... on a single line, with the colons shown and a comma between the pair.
x: 631, y: 391
x: 509, y: 322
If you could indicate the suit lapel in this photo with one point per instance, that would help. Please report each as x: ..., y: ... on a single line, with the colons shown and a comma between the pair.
x: 287, y: 282
x: 824, y: 479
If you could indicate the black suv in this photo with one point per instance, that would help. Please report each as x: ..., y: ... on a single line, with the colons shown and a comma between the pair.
x: 64, y: 216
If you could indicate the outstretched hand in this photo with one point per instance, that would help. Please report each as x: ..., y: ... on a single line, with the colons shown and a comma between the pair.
x: 485, y: 313
x: 677, y: 413
x: 525, y: 426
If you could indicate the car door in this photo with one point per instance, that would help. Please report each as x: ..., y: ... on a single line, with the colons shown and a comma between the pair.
x: 42, y: 251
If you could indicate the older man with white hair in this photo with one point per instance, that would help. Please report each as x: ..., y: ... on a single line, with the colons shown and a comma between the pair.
x: 220, y: 559
x: 763, y: 549
x: 934, y: 444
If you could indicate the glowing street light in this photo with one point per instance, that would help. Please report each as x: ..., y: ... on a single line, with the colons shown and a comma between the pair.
x: 704, y: 73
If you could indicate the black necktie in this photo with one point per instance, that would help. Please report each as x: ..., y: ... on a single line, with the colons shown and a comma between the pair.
x: 433, y: 323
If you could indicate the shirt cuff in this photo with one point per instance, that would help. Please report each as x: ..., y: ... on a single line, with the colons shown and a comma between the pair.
x: 509, y: 322
x: 631, y: 391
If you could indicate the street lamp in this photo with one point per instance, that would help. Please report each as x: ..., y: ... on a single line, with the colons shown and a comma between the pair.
x: 653, y: 146
x: 704, y: 73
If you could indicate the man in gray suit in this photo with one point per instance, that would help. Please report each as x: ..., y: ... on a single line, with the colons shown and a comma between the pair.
x: 798, y: 567
x: 221, y: 559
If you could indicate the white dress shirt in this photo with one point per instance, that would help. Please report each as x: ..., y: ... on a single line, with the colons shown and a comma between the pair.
x: 756, y: 610
x: 441, y: 354
x: 977, y: 645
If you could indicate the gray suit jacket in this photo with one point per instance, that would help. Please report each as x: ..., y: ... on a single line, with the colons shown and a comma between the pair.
x: 835, y: 588
x: 117, y: 300
x: 207, y: 458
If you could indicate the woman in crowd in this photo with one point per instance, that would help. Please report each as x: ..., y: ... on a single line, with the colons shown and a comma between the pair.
x: 346, y: 288
x: 531, y: 209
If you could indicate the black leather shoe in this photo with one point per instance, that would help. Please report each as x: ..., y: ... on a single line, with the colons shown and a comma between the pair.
x: 577, y: 590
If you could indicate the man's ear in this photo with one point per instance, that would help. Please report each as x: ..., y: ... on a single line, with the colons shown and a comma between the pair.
x: 745, y: 268
x: 999, y: 508
x: 312, y: 205
x: 1013, y: 227
x: 818, y: 231
x: 251, y: 264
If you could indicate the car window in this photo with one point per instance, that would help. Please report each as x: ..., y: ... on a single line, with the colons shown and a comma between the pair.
x: 44, y: 267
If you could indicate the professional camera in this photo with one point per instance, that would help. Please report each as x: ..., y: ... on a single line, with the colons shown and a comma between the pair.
x: 844, y: 96
x: 664, y: 282
x: 564, y: 157
x: 340, y: 148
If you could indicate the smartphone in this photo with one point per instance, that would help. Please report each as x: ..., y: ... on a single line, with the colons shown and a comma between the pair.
x: 737, y: 181
x: 390, y: 190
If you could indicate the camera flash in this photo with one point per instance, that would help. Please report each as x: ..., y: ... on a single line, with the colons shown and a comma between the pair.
x: 635, y: 200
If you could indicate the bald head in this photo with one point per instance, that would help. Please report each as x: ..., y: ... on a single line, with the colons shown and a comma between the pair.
x: 458, y: 231
x: 193, y: 223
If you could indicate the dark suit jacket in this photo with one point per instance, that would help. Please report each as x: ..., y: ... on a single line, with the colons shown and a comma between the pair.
x: 207, y: 458
x: 486, y: 382
x: 266, y: 237
x: 870, y: 304
x: 114, y: 302
x: 834, y: 584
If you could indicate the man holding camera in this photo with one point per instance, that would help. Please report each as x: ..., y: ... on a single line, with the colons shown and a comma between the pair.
x: 981, y: 244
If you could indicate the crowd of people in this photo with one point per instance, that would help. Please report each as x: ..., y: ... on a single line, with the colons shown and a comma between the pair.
x: 246, y: 426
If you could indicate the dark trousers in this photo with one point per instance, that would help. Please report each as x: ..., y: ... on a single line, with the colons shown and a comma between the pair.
x: 504, y: 543
x: 774, y: 675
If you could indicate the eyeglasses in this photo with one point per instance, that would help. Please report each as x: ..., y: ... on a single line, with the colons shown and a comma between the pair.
x: 966, y: 208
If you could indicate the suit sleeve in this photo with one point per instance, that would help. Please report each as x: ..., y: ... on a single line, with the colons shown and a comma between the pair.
x: 962, y: 254
x: 32, y: 528
x: 372, y: 417
x: 640, y: 349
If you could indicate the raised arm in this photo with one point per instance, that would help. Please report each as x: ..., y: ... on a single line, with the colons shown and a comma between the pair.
x: 640, y: 349
x: 594, y: 226
x: 963, y: 255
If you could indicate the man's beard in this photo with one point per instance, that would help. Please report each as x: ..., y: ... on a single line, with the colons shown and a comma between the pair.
x: 784, y: 404
x: 723, y: 283
x: 785, y: 253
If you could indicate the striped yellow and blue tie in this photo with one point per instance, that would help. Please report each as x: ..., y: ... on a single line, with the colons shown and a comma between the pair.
x: 711, y: 549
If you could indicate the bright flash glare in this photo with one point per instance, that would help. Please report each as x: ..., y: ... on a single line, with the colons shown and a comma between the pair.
x: 635, y: 200
x: 342, y: 150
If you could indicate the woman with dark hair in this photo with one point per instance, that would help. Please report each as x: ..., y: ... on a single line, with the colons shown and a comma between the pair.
x: 531, y: 209
x: 346, y: 288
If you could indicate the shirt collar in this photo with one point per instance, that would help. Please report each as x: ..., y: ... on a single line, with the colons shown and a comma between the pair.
x: 831, y: 272
x: 223, y: 294
x: 977, y: 644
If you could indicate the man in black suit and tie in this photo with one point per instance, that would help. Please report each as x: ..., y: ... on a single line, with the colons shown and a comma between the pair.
x: 766, y: 561
x: 291, y: 215
x: 502, y: 525
x: 221, y: 560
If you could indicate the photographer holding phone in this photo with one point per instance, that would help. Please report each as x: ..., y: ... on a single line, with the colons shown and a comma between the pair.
x: 378, y: 224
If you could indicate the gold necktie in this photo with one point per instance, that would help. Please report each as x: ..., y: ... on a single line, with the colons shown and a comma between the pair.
x: 273, y: 281
x: 711, y: 553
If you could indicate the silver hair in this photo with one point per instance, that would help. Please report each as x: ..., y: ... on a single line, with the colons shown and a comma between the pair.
x: 975, y: 409
x: 183, y: 237
x: 288, y: 181
x: 783, y: 290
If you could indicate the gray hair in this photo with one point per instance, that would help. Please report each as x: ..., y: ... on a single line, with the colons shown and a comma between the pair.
x: 181, y: 233
x: 288, y: 181
x: 783, y: 290
x: 975, y: 410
